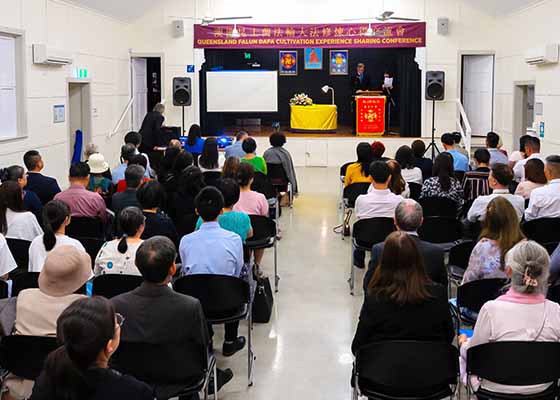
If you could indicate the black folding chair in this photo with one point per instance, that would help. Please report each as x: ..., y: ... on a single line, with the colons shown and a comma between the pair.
x: 92, y: 246
x: 264, y: 237
x: 397, y: 370
x: 263, y: 185
x: 279, y: 180
x: 20, y: 250
x: 211, y: 177
x: 111, y: 285
x: 473, y: 295
x: 542, y: 230
x: 550, y: 247
x: 415, y: 190
x: 365, y: 234
x: 186, y: 224
x: 438, y: 207
x: 343, y: 169
x: 173, y: 369
x: 224, y: 299
x: 458, y: 262
x: 349, y: 196
x: 441, y: 230
x: 27, y: 280
x: 24, y: 356
x: 3, y: 289
x: 515, y: 364
x: 554, y: 294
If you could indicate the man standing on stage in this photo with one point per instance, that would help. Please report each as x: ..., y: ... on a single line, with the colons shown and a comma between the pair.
x: 360, y: 83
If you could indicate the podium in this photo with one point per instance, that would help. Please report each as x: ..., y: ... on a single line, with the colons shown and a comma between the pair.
x: 370, y: 114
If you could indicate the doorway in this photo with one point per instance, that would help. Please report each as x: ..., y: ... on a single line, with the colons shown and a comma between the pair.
x: 79, y: 117
x: 477, y: 91
x: 523, y: 110
x: 146, y: 87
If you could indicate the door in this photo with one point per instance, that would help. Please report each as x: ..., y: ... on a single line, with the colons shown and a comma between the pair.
x: 79, y: 115
x: 139, y: 91
x: 478, y: 92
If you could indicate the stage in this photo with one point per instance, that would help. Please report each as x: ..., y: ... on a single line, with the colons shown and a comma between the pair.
x: 343, y: 131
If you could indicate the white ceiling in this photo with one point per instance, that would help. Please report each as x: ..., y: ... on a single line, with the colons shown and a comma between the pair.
x: 132, y: 9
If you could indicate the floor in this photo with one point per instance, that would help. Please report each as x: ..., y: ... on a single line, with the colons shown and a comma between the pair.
x: 304, y: 352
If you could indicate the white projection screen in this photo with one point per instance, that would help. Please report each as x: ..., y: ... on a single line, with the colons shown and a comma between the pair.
x: 242, y: 91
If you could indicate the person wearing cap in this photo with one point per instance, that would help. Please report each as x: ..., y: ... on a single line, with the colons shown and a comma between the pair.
x: 460, y: 161
x: 66, y: 270
x: 97, y: 168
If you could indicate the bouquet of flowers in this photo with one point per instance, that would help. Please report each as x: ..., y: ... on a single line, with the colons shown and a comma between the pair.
x: 301, y: 100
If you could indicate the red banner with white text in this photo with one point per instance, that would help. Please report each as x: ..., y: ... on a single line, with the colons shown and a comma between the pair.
x: 370, y: 115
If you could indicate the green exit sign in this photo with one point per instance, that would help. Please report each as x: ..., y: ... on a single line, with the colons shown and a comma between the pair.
x: 248, y: 56
x: 81, y: 73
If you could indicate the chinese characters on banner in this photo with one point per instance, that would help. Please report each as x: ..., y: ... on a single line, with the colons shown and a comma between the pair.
x: 385, y: 35
x: 370, y: 115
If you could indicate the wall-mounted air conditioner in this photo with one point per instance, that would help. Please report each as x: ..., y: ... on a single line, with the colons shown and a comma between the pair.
x: 47, y: 56
x: 542, y: 55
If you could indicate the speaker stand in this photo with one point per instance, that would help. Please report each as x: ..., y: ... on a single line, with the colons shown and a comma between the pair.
x: 183, y: 121
x: 433, y: 144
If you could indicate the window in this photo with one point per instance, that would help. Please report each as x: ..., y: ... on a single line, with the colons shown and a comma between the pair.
x: 12, y: 104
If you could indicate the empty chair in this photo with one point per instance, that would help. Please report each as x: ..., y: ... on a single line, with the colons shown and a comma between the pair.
x: 542, y: 230
x: 441, y: 230
x: 81, y: 227
x: 438, y: 207
x: 111, y: 285
x: 473, y: 295
x: 211, y: 177
x: 24, y: 356
x: 264, y: 237
x: 406, y: 370
x: 26, y: 280
x: 459, y: 260
x: 224, y: 299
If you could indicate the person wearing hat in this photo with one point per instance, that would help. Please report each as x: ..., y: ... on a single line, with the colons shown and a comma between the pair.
x: 97, y: 180
x: 66, y: 271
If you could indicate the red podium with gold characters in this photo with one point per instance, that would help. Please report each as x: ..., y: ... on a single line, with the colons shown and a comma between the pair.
x: 370, y: 115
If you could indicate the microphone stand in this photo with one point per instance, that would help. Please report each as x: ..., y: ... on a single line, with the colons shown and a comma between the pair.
x: 391, y: 102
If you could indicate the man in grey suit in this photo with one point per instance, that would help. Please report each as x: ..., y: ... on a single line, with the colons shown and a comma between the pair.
x: 408, y: 218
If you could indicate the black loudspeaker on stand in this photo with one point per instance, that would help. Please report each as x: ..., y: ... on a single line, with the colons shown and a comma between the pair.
x: 182, y: 97
x: 435, y: 91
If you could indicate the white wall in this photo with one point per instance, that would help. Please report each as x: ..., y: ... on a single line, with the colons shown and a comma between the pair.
x: 469, y: 29
x: 97, y: 43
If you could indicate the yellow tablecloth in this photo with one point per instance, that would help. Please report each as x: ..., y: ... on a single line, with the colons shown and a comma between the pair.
x: 315, y: 118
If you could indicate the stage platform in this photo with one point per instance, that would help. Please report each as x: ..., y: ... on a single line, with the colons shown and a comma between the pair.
x: 341, y: 132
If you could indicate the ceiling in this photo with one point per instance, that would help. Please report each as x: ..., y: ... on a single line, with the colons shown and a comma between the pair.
x: 132, y: 9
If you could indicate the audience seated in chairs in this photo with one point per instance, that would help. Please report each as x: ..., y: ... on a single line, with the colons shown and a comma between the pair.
x: 117, y: 256
x: 214, y: 250
x: 379, y: 202
x: 534, y: 178
x: 173, y: 317
x: 181, y: 204
x: 128, y: 151
x: 499, y: 180
x: 518, y: 155
x: 458, y: 138
x: 31, y: 201
x: 500, y: 232
x: 151, y: 196
x: 209, y: 160
x: 545, y: 201
x: 492, y: 146
x: 358, y: 172
x: 56, y: 217
x: 97, y: 181
x: 522, y: 314
x: 66, y: 270
x: 230, y: 220
x: 277, y: 154
x: 410, y: 172
x: 235, y: 150
x: 408, y: 218
x: 133, y: 177
x: 460, y: 160
x: 377, y: 151
x: 475, y: 183
x: 135, y: 160
x: 135, y: 138
x: 402, y: 303
x: 166, y: 168
x: 532, y: 149
x: 82, y: 202
x: 7, y: 261
x: 15, y: 222
x: 90, y: 333
x: 230, y: 167
x: 250, y: 148
x: 44, y: 186
x: 443, y: 182
x: 195, y: 143
x: 397, y: 185
x: 182, y: 161
x: 425, y: 164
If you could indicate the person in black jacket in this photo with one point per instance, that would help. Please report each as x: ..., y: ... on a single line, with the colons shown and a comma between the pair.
x: 402, y: 303
x: 153, y: 138
x: 408, y: 218
x: 90, y: 331
x: 43, y: 186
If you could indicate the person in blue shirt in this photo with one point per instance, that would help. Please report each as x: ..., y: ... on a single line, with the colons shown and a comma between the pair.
x: 236, y: 149
x: 214, y: 250
x: 496, y: 155
x: 460, y: 161
x: 195, y: 143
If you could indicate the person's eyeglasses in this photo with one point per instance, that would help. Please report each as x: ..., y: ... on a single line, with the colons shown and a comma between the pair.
x: 120, y: 319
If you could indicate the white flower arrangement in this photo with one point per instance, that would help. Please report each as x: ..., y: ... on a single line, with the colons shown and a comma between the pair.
x: 301, y: 99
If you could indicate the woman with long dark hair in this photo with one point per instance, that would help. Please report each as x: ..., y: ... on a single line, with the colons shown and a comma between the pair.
x: 56, y: 217
x: 358, y: 172
x: 397, y: 185
x: 443, y: 182
x: 209, y: 159
x: 190, y: 183
x: 402, y: 303
x: 229, y: 171
x: 117, y: 256
x: 195, y: 143
x: 90, y: 331
x: 15, y: 222
x: 30, y: 200
x: 411, y: 173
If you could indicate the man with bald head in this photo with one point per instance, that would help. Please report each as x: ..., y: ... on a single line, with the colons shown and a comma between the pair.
x: 408, y: 218
x: 545, y: 201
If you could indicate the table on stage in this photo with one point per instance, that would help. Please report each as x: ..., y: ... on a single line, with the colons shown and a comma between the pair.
x: 370, y: 115
x: 320, y: 118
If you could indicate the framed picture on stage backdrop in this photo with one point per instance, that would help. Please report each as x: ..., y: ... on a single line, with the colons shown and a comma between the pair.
x: 288, y: 62
x: 313, y: 58
x: 338, y: 62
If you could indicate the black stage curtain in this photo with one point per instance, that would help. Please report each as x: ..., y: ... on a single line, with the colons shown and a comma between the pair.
x: 399, y: 62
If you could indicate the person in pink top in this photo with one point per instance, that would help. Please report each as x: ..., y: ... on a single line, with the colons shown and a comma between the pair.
x: 250, y: 202
x: 82, y: 202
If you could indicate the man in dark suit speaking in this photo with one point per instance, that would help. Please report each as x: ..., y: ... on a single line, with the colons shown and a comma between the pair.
x: 408, y: 218
x: 360, y: 82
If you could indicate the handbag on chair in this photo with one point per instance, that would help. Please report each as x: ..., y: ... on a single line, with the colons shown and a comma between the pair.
x: 263, y: 301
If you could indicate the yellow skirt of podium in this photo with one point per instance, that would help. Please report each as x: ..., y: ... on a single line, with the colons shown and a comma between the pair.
x: 321, y: 118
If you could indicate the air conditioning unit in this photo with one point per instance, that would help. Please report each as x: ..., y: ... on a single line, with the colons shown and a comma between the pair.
x: 542, y: 55
x: 47, y: 56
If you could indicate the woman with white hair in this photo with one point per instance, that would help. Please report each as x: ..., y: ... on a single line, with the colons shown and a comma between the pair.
x: 522, y: 314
